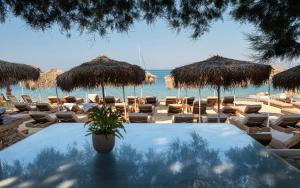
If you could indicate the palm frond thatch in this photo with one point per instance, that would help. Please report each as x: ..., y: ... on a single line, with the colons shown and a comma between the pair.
x: 288, y: 79
x: 219, y: 71
x: 150, y: 78
x: 12, y: 73
x: 101, y: 71
x: 46, y: 80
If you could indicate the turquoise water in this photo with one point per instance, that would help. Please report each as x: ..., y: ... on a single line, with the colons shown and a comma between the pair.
x: 158, y: 89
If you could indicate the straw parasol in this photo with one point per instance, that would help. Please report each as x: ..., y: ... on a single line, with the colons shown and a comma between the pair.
x: 101, y: 71
x: 219, y: 71
x: 12, y: 73
x: 288, y: 79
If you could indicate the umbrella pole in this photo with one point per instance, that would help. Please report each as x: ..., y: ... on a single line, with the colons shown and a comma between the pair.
x: 57, y: 98
x: 103, y: 93
x: 22, y: 90
x: 218, y: 104
x: 233, y: 96
x: 40, y: 95
x: 123, y: 93
x: 269, y: 99
x: 199, y: 105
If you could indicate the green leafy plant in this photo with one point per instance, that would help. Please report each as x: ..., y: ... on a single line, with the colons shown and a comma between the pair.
x: 105, y: 121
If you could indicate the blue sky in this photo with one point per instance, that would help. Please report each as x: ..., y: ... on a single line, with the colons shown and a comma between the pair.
x: 161, y: 47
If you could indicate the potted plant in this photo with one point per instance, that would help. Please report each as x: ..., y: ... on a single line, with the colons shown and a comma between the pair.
x: 104, y: 124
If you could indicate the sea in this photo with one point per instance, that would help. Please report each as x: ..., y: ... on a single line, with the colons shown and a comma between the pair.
x: 157, y: 89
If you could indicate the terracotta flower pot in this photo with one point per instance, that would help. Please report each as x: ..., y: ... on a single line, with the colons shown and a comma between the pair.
x: 102, y: 143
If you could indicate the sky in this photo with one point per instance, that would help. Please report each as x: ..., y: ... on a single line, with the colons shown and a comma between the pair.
x: 160, y: 46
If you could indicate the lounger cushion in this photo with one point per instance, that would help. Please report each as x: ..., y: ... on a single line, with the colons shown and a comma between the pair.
x: 228, y: 100
x: 286, y: 120
x: 138, y: 118
x: 150, y: 100
x: 183, y: 118
x: 171, y: 100
x: 41, y: 117
x: 146, y: 108
x: 252, y: 109
x: 253, y: 120
x: 213, y: 118
x: 43, y: 107
x: 203, y: 105
x: 24, y: 107
x: 290, y: 111
x: 110, y: 99
x: 174, y: 108
x: 228, y: 110
x: 296, y: 104
x: 67, y: 117
x: 132, y: 99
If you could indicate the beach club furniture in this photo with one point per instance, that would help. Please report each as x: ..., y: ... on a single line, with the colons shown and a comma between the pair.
x: 24, y: 107
x: 248, y: 109
x: 132, y: 100
x: 228, y: 101
x: 146, y: 108
x: 296, y: 104
x: 54, y: 100
x: 93, y: 98
x: 183, y: 118
x: 212, y: 101
x: 40, y: 120
x: 171, y: 100
x: 228, y: 110
x: 286, y: 123
x: 90, y: 107
x: 111, y: 100
x: 139, y: 118
x: 251, y: 123
x: 213, y: 118
x: 72, y: 99
x: 188, y: 100
x: 27, y: 99
x: 203, y: 106
x: 45, y: 107
x: 288, y: 111
x: 121, y: 107
x: 277, y: 104
x: 69, y: 117
x: 151, y: 100
x: 12, y: 98
x: 291, y: 143
x: 73, y: 107
x: 174, y: 109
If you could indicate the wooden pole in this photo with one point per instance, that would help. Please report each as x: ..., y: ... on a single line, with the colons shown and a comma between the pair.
x: 218, y: 104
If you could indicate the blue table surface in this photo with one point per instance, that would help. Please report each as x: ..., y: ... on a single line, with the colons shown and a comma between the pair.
x: 150, y: 155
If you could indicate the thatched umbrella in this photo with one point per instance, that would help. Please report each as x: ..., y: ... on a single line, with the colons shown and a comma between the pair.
x: 218, y: 71
x: 12, y: 73
x: 101, y: 71
x: 288, y: 79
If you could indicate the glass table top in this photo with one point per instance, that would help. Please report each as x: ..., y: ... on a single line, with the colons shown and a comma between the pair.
x: 150, y: 155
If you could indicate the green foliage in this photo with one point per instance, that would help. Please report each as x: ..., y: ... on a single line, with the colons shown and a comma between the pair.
x: 105, y: 121
x: 277, y: 21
